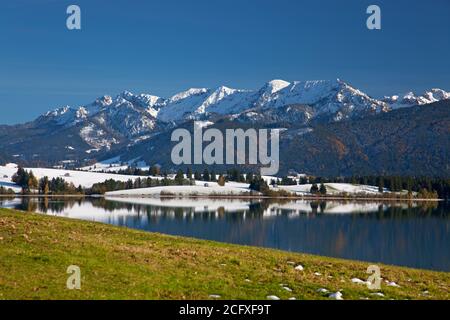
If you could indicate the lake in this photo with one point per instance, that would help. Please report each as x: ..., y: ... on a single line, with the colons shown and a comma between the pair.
x: 414, y: 235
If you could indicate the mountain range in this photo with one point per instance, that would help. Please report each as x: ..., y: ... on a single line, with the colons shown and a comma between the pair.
x: 319, y: 116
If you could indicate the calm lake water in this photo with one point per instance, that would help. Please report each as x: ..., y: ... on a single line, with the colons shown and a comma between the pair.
x: 408, y: 235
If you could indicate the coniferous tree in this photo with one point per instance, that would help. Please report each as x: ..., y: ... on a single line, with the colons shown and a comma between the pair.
x: 323, y: 189
x: 189, y: 173
x: 18, y: 176
x: 303, y: 180
x: 206, y: 176
x: 381, y: 185
x: 213, y: 176
x: 155, y: 170
x: 179, y: 178
x: 129, y: 184
x: 409, y: 185
x: 259, y: 184
x: 314, y: 189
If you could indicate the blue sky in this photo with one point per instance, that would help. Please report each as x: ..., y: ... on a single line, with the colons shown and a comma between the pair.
x: 162, y: 47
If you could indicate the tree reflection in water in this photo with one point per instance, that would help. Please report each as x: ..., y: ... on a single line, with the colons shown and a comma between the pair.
x: 405, y: 233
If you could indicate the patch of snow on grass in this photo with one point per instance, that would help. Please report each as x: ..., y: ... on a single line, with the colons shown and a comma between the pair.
x: 336, y: 296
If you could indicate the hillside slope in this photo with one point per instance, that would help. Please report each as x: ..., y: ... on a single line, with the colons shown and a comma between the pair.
x: 408, y: 141
x: 413, y: 141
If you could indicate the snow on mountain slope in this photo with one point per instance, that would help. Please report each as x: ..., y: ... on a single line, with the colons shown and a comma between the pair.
x: 138, y: 111
x: 96, y: 137
x: 268, y: 92
x: 410, y: 99
x: 134, y: 115
x: 103, y: 120
x: 183, y: 103
x: 274, y: 86
x: 148, y: 102
x: 225, y: 100
x: 129, y: 118
x: 194, y: 103
x: 330, y: 97
x: 66, y: 115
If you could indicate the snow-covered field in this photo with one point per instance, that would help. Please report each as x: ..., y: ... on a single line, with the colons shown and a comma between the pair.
x: 6, y: 183
x: 242, y: 188
x: 85, y: 179
x: 332, y: 188
x: 114, y: 164
x: 182, y: 191
x: 201, y: 188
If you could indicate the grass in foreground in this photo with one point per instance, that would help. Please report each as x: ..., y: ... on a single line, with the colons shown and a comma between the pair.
x: 119, y: 263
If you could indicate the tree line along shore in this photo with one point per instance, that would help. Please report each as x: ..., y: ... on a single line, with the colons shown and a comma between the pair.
x: 387, y: 186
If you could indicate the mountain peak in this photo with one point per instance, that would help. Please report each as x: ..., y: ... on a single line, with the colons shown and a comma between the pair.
x: 275, y: 85
x: 126, y: 93
x: 328, y: 99
x: 224, y: 90
x: 411, y: 99
x: 59, y: 110
x: 188, y: 93
x: 150, y: 101
x: 440, y: 94
x: 103, y: 101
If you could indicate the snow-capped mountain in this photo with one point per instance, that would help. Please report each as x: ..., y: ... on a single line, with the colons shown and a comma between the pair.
x: 325, y: 96
x: 134, y: 112
x: 336, y: 99
x: 137, y: 117
x: 133, y: 115
x: 410, y: 99
x: 127, y: 115
x: 117, y: 122
x: 409, y: 141
x: 198, y: 103
x: 269, y: 90
x: 183, y: 104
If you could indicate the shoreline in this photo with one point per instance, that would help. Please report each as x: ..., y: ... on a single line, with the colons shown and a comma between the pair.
x: 238, y: 197
x: 274, y: 198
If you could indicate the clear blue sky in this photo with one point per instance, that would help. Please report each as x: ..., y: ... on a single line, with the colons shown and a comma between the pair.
x: 162, y: 47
